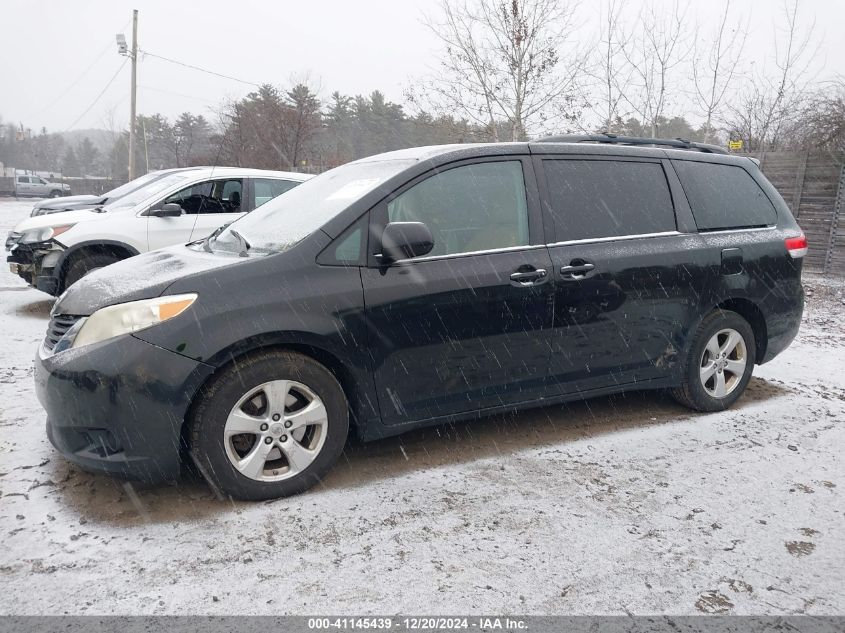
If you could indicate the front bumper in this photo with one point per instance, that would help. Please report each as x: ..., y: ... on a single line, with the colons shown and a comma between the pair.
x: 35, y: 264
x: 118, y: 406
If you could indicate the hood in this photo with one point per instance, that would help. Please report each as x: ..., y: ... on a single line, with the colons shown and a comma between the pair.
x: 141, y: 277
x: 62, y: 203
x: 56, y: 219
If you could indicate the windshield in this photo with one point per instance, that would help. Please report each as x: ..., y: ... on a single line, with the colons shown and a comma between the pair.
x: 286, y: 220
x: 145, y: 191
x: 132, y: 185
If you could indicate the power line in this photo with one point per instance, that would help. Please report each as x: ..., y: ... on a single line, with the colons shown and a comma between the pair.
x: 177, y: 94
x: 102, y: 92
x: 202, y: 70
x: 82, y: 74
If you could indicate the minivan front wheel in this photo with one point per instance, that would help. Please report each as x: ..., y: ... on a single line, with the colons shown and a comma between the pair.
x: 269, y: 426
x: 719, y: 365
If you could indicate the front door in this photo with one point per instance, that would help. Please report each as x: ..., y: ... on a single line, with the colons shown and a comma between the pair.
x: 204, y: 209
x: 467, y: 326
x: 623, y: 273
x: 224, y: 207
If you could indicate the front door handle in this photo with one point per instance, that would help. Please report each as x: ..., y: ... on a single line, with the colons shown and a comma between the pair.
x: 577, y: 269
x: 528, y: 277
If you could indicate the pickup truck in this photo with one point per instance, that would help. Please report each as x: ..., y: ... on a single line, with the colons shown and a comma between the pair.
x: 36, y: 186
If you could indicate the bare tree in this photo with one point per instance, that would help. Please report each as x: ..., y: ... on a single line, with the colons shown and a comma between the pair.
x: 770, y: 99
x: 662, y: 44
x: 611, y: 70
x: 714, y: 68
x: 502, y: 64
x: 821, y: 122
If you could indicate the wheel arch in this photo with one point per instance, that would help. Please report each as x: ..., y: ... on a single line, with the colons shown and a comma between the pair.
x: 223, y: 360
x: 111, y: 247
x: 752, y: 313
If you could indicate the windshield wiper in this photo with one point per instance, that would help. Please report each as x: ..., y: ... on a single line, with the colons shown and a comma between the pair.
x: 206, y: 242
x: 244, y: 245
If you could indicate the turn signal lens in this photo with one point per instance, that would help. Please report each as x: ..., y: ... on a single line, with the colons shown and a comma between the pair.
x: 58, y: 230
x: 170, y: 310
x: 796, y: 246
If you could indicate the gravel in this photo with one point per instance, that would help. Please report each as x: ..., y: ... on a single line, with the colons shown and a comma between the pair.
x: 628, y: 504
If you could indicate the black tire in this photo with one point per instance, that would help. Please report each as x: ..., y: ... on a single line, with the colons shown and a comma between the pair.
x: 55, y: 193
x: 692, y: 392
x: 84, y: 263
x: 207, y: 423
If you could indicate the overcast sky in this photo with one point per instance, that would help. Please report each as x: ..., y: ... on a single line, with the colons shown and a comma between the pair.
x: 56, y: 56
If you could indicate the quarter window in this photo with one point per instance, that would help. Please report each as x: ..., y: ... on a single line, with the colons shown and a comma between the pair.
x: 607, y: 198
x: 469, y: 208
x: 724, y: 196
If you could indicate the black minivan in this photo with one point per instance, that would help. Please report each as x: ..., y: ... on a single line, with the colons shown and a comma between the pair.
x: 420, y: 287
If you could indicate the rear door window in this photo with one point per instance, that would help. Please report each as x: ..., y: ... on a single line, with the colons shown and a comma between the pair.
x: 607, y: 198
x: 268, y: 188
x: 724, y: 196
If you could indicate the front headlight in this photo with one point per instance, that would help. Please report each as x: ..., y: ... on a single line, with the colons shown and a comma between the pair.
x: 43, y: 234
x: 125, y: 318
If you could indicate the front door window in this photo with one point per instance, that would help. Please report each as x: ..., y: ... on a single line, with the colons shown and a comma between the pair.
x: 469, y: 208
x: 211, y: 196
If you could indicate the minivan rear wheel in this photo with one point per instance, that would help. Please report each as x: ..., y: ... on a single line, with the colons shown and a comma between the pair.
x: 271, y: 425
x: 719, y: 364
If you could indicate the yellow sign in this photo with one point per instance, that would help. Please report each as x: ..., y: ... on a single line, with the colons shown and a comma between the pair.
x: 735, y: 144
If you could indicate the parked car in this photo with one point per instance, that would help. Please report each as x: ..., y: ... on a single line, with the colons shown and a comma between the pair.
x: 421, y: 287
x: 73, y: 203
x: 55, y: 251
x: 28, y: 185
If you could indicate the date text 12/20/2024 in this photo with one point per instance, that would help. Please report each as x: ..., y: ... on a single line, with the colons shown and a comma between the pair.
x: 417, y: 623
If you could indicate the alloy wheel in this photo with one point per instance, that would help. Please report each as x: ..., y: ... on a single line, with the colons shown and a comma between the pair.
x: 275, y: 431
x: 723, y: 363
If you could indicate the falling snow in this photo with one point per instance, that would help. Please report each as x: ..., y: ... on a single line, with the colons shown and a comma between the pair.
x: 624, y: 504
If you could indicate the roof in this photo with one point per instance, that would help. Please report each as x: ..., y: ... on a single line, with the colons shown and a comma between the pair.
x: 211, y: 170
x: 459, y: 151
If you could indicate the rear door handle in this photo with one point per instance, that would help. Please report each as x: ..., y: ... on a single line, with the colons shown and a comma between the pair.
x: 529, y: 277
x: 577, y: 271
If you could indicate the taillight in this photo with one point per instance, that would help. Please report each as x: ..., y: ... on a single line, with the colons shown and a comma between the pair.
x: 797, y: 246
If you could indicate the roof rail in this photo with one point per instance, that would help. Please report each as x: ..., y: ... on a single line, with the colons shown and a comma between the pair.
x: 613, y: 139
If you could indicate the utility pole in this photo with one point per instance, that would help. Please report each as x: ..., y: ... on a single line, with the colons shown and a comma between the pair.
x: 134, y: 58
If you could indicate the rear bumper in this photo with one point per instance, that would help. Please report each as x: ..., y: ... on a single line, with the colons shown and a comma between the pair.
x: 783, y: 326
x: 118, y: 406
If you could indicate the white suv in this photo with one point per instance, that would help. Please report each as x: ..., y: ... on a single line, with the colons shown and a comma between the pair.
x: 51, y: 252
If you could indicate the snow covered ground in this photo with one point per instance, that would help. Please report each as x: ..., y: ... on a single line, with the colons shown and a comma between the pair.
x: 626, y: 504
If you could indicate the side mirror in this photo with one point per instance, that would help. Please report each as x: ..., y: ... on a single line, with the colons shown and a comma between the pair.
x: 169, y: 210
x: 402, y: 240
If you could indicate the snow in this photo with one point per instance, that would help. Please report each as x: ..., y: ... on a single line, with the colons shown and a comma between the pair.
x: 625, y: 504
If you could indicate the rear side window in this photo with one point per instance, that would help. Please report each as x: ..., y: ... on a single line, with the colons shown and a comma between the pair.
x: 607, y: 198
x: 268, y: 188
x: 724, y: 196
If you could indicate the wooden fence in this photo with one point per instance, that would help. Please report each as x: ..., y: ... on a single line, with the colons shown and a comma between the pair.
x: 813, y: 186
